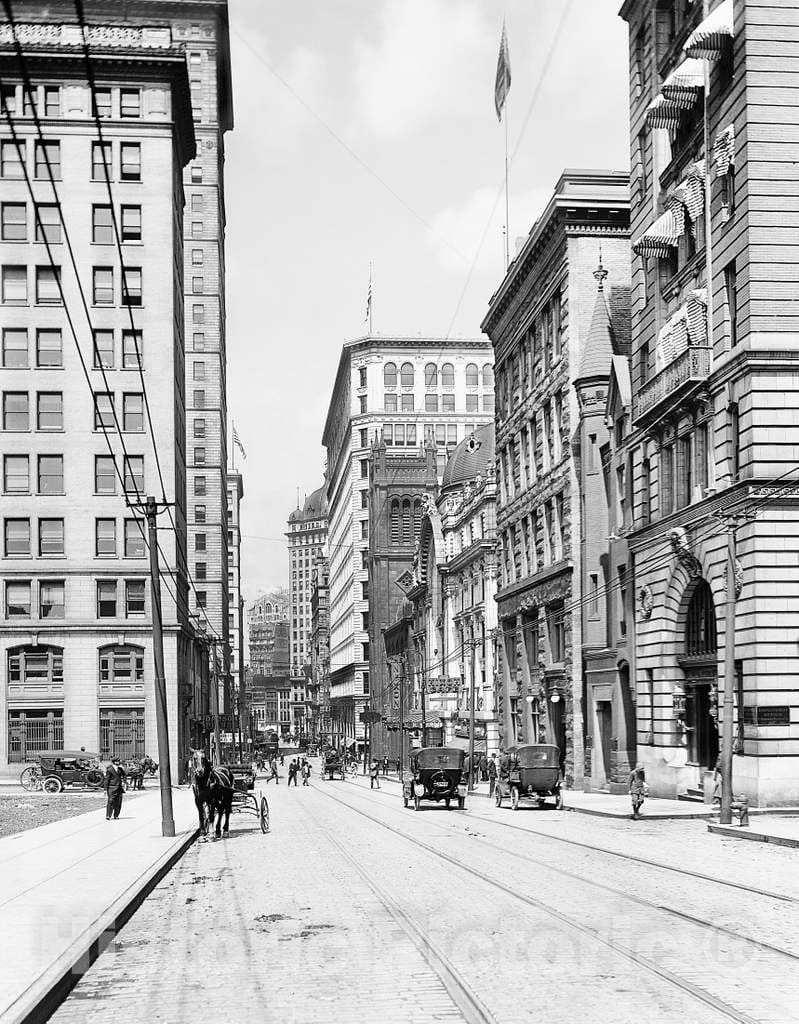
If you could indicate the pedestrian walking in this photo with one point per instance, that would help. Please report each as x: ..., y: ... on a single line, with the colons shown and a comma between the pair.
x: 385, y: 765
x: 114, y: 788
x: 492, y: 774
x: 306, y: 772
x: 374, y: 776
x: 717, y: 780
x: 272, y: 772
x: 293, y: 766
x: 638, y: 789
x: 282, y: 760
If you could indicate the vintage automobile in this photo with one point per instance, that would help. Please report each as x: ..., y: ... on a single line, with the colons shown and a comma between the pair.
x: 436, y: 773
x: 59, y: 768
x: 529, y: 773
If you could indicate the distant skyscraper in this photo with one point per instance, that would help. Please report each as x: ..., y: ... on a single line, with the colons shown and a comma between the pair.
x: 307, y: 537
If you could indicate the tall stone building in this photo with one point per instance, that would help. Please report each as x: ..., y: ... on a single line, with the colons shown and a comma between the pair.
x: 76, y: 659
x: 307, y: 537
x: 714, y: 420
x: 538, y: 321
x: 235, y: 494
x: 320, y: 646
x: 262, y: 617
x: 406, y: 390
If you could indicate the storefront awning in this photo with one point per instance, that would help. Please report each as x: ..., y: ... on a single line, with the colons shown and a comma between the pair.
x: 661, y: 113
x: 661, y: 237
x: 724, y: 151
x: 684, y: 83
x: 709, y: 39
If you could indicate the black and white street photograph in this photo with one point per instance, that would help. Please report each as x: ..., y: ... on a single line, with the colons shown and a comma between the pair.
x: 399, y: 511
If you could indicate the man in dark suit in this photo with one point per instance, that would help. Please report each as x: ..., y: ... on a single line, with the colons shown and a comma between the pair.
x: 114, y: 788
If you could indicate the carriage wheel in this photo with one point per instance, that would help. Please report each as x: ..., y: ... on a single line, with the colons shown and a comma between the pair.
x: 264, y: 815
x: 31, y: 778
x: 52, y: 784
x: 514, y: 798
x: 95, y: 778
x: 416, y: 802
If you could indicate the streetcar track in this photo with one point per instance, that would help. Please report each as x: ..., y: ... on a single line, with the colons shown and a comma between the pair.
x: 765, y: 946
x: 460, y: 992
x: 664, y: 973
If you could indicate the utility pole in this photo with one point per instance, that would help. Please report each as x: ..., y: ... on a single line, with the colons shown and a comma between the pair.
x: 402, y: 720
x: 423, y: 659
x: 725, y: 816
x: 471, y: 715
x: 215, y: 704
x: 165, y: 772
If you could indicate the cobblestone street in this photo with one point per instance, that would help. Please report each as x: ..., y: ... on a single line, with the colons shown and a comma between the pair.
x: 353, y: 906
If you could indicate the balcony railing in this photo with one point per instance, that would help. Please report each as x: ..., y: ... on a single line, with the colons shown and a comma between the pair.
x: 689, y: 368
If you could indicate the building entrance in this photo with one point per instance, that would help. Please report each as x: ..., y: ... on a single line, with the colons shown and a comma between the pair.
x: 700, y: 726
x: 700, y: 665
x: 604, y: 715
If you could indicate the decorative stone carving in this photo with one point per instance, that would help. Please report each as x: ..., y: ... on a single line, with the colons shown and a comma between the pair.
x: 645, y: 601
x: 678, y: 539
x: 739, y: 578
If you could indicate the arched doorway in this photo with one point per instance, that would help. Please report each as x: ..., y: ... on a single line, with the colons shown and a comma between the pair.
x: 700, y: 665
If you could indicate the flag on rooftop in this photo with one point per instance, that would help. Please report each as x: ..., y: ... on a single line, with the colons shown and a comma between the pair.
x: 237, y: 442
x: 502, y: 84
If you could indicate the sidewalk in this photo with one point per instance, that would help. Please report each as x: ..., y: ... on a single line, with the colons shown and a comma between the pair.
x: 67, y: 887
x: 766, y: 828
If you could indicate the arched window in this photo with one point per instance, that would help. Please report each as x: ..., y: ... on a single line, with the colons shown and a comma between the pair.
x: 36, y: 664
x: 700, y: 623
x: 431, y: 375
x: 472, y: 375
x: 407, y: 522
x: 394, y: 522
x: 406, y: 375
x: 390, y: 375
x: 448, y: 375
x: 488, y: 375
x: 121, y: 663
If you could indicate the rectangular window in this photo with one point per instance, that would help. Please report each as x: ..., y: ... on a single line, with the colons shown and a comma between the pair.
x: 10, y: 163
x: 51, y: 474
x: 199, y: 542
x: 51, y: 537
x: 196, y: 257
x: 47, y: 286
x: 196, y: 175
x: 131, y: 286
x: 15, y: 348
x: 199, y: 456
x: 51, y: 599
x: 448, y: 403
x: 200, y: 486
x: 102, y: 162
x: 389, y: 403
x: 198, y: 313
x: 134, y: 538
x: 731, y: 298
x: 199, y: 513
x: 666, y: 480
x: 134, y: 598
x: 106, y: 599
x: 52, y: 100
x: 431, y: 403
x: 18, y: 600
x: 103, y: 410
x: 735, y: 441
x: 102, y: 225
x: 198, y: 340
x: 130, y: 161
x: 103, y: 286
x: 133, y: 413
x: 16, y: 479
x: 130, y: 103
x: 131, y: 349
x: 49, y: 349
x: 104, y: 350
x: 556, y: 623
x: 198, y: 370
x: 199, y: 399
x: 199, y: 428
x: 50, y: 410
x: 200, y: 571
x: 201, y: 598
x: 646, y: 488
x: 105, y: 479
x: 48, y: 223
x: 105, y: 537
x: 134, y: 475
x: 15, y: 286
x: 47, y: 154
x: 14, y: 222
x: 593, y: 595
x: 16, y: 414
x: 471, y: 403
x: 17, y: 537
x: 362, y: 403
x: 131, y: 223
x: 102, y: 103
x: 406, y: 403
x: 701, y: 458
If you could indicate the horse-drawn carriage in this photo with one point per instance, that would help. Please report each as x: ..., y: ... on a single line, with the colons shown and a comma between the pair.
x: 333, y: 765
x: 56, y: 769
x: 436, y: 774
x: 530, y: 773
x: 220, y: 790
x: 136, y: 768
x: 244, y: 799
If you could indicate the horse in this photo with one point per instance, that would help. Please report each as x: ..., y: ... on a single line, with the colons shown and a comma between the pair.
x: 213, y: 789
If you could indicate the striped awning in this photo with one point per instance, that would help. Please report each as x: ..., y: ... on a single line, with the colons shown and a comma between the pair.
x: 690, y: 193
x: 661, y: 237
x: 672, y: 338
x: 709, y: 39
x: 696, y: 314
x: 724, y: 151
x: 661, y: 113
x: 684, y: 83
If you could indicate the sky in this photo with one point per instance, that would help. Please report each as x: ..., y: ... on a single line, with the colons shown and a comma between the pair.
x: 365, y: 131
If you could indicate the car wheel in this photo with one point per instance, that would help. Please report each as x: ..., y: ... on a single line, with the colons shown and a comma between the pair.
x: 53, y: 784
x: 514, y: 798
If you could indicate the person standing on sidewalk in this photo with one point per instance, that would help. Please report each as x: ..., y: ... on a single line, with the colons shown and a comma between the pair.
x: 385, y: 765
x: 114, y: 788
x: 374, y: 776
x: 273, y: 771
x: 492, y: 774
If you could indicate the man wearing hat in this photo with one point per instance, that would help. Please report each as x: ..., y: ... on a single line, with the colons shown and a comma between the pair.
x: 114, y: 788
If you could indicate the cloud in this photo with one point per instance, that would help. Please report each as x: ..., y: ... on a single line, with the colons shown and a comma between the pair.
x: 421, y: 68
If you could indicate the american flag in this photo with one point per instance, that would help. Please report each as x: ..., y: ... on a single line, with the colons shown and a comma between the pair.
x: 237, y: 442
x: 502, y: 84
x: 368, y: 317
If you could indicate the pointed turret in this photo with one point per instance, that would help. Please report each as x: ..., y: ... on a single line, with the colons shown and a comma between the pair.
x: 598, y: 349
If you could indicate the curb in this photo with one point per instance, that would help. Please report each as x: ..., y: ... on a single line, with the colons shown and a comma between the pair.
x: 736, y: 832
x: 50, y: 989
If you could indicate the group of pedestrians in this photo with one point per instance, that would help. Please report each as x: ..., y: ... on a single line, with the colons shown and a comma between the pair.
x: 299, y: 767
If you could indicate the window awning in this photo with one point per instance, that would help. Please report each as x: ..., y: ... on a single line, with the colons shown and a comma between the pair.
x: 696, y: 316
x: 689, y: 194
x: 672, y: 338
x: 709, y: 39
x: 684, y: 83
x: 724, y: 151
x: 661, y: 237
x: 663, y: 114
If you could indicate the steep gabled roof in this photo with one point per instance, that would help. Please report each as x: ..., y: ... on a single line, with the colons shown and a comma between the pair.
x: 598, y: 349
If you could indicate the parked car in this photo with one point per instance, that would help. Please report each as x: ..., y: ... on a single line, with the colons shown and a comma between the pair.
x: 529, y: 773
x: 436, y: 773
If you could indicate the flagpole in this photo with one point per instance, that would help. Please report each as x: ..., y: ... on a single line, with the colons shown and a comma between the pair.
x: 507, y: 208
x: 370, y: 298
x: 232, y: 449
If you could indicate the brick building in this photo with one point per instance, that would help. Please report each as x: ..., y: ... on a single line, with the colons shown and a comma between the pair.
x: 538, y: 321
x: 713, y: 425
